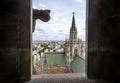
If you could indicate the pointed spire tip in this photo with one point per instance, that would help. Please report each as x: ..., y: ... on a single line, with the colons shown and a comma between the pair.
x: 73, y: 13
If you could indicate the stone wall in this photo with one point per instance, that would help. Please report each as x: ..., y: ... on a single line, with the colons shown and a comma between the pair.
x: 103, y: 27
x: 15, y: 40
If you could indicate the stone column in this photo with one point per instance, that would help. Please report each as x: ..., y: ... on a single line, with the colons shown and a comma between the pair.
x: 15, y: 40
x: 103, y: 34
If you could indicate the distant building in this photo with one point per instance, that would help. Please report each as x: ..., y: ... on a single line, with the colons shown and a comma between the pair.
x: 73, y: 45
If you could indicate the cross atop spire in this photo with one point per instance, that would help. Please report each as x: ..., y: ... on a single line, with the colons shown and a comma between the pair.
x: 73, y: 13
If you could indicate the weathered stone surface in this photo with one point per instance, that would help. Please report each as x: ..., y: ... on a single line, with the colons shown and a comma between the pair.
x: 15, y: 37
x: 64, y: 78
x: 43, y: 15
x: 103, y: 39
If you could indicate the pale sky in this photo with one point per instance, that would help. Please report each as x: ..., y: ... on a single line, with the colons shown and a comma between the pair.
x: 58, y: 27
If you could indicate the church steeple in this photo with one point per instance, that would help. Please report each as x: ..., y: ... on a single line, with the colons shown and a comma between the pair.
x: 45, y: 67
x: 73, y: 21
x: 73, y: 30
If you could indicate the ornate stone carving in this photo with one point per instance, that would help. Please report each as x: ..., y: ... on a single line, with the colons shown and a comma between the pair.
x: 43, y: 15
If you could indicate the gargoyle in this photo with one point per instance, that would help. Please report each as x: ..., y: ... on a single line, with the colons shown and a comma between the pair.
x: 43, y: 15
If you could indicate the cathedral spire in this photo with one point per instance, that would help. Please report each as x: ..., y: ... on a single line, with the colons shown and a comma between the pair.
x: 73, y: 21
x: 73, y: 30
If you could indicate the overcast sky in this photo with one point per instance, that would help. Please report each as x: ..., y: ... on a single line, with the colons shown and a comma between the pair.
x: 58, y: 27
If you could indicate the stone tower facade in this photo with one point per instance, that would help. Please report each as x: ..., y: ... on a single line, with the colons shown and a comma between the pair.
x: 73, y: 45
